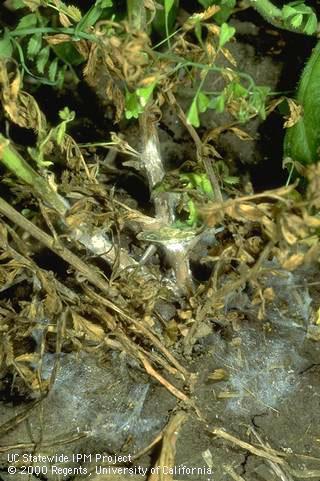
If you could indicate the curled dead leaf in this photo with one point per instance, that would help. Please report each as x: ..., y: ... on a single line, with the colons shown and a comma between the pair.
x: 295, y: 113
x: 241, y: 134
x: 218, y: 375
x: 57, y: 39
x: 20, y: 106
x: 91, y: 331
x: 293, y: 262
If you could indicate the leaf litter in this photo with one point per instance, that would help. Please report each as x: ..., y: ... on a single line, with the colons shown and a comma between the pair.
x: 92, y: 308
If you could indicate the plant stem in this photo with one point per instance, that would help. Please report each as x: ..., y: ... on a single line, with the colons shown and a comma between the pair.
x: 22, y: 32
x: 178, y: 257
x: 97, y: 243
x: 274, y: 16
x: 87, y: 271
x: 266, y: 9
x: 206, y: 162
x: 19, y: 167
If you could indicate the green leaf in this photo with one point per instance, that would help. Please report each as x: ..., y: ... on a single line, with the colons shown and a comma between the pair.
x: 231, y: 180
x: 67, y: 51
x: 60, y: 77
x: 302, y: 140
x: 53, y: 70
x: 5, y: 45
x: 217, y: 103
x: 168, y: 4
x: 297, y: 13
x: 198, y: 31
x: 237, y: 90
x: 296, y: 21
x: 145, y: 93
x: 288, y: 11
x: 206, y: 3
x: 165, y: 17
x: 93, y: 14
x: 34, y: 45
x: 193, y: 216
x: 203, y: 102
x: 28, y: 21
x: 42, y: 59
x: 257, y: 100
x: 14, y: 4
x: 193, y: 115
x: 226, y: 9
x: 133, y: 106
x: 104, y: 3
x: 226, y: 33
x: 66, y: 114
x: 311, y: 26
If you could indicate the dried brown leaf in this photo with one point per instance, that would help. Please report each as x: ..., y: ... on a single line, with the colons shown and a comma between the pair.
x: 57, y: 39
x: 293, y: 262
x: 228, y: 55
x: 247, y: 211
x: 91, y: 331
x: 218, y: 375
x: 64, y: 20
x: 241, y: 134
x: 209, y: 12
x: 20, y: 106
x: 295, y: 113
x: 293, y: 228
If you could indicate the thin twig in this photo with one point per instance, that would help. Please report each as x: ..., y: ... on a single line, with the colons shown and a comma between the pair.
x: 86, y: 270
x: 199, y: 146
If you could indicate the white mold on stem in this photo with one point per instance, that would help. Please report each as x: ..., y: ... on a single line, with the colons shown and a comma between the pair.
x: 176, y: 244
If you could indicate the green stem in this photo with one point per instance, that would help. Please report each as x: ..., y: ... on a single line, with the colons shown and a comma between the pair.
x: 19, y: 167
x: 22, y: 32
x: 266, y: 9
